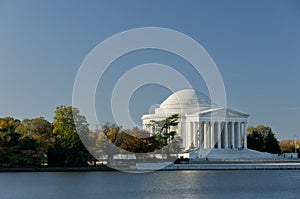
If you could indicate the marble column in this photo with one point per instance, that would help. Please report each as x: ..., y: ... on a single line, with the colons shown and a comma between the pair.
x: 196, y: 130
x: 239, y: 134
x: 226, y: 135
x: 212, y: 132
x: 219, y: 135
x: 232, y: 135
x: 187, y: 135
x: 245, y: 135
x: 205, y: 135
x: 200, y: 133
x: 179, y: 129
x: 192, y: 133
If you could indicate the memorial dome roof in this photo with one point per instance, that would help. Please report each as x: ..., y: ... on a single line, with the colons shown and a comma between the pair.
x: 186, y: 99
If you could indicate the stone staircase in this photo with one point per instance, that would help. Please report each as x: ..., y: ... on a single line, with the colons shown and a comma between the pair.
x: 230, y: 154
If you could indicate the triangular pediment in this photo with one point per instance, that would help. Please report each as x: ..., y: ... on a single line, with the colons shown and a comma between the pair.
x: 223, y: 112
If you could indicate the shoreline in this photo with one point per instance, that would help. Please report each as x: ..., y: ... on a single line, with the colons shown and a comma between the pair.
x: 237, y: 166
x: 55, y: 169
x: 293, y: 165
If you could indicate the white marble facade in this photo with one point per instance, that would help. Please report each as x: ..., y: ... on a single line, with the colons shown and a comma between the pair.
x: 202, y: 125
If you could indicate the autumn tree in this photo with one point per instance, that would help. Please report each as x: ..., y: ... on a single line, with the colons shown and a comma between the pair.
x: 289, y: 146
x: 113, y: 139
x: 107, y: 136
x: 8, y: 124
x: 139, y: 141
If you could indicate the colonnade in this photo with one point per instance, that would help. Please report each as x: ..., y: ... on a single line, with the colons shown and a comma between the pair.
x: 216, y: 134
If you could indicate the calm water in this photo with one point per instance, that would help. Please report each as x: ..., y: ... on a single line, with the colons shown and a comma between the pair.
x: 172, y: 184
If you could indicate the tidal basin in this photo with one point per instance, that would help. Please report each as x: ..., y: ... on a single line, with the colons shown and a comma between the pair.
x: 160, y: 184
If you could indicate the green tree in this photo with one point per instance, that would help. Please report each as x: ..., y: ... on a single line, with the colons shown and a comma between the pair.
x: 261, y: 138
x: 68, y: 149
x: 162, y: 129
x: 164, y: 134
x: 255, y: 140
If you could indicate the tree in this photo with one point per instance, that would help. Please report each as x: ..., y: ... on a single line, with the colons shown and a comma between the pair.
x: 11, y: 148
x: 108, y: 134
x: 164, y: 134
x: 162, y: 129
x: 289, y: 146
x: 255, y: 140
x: 139, y: 141
x: 261, y: 138
x: 113, y: 139
x: 35, y: 141
x: 69, y: 127
x: 9, y: 142
x: 36, y: 126
x: 8, y: 124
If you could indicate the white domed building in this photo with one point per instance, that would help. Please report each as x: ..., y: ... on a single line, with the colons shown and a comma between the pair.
x: 202, y: 125
x: 208, y: 131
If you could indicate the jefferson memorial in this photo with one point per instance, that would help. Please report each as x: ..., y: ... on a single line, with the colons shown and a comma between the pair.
x: 201, y: 125
x: 206, y: 129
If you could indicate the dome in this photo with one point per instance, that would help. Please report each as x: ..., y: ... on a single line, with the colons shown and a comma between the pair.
x: 185, y: 101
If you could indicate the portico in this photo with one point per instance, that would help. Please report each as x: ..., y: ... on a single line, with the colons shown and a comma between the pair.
x: 227, y: 134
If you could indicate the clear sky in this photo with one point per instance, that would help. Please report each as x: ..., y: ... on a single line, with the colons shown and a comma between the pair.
x: 255, y: 44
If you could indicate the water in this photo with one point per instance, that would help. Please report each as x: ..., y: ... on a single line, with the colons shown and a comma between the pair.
x: 161, y: 184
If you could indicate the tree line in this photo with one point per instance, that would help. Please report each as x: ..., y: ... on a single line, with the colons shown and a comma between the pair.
x: 261, y: 138
x: 36, y: 142
x: 32, y: 142
x: 68, y: 141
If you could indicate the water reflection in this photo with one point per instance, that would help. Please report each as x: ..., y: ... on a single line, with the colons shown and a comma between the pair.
x: 160, y: 184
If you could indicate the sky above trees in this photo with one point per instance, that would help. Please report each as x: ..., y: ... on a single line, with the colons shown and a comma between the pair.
x: 255, y: 45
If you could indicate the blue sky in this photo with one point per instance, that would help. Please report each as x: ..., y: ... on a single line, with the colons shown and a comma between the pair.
x: 255, y: 44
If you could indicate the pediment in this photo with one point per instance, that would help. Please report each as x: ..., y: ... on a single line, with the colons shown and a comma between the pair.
x: 223, y: 112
